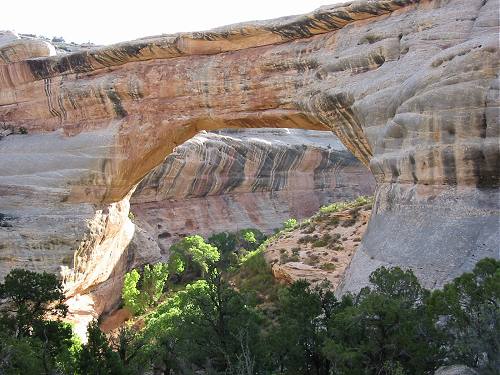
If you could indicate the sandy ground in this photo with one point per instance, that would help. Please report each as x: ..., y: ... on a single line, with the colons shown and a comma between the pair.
x: 321, y: 249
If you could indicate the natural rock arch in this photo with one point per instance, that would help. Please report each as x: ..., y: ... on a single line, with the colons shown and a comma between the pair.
x: 410, y: 87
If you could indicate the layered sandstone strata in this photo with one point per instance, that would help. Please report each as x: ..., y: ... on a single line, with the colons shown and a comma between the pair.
x: 13, y: 48
x: 231, y: 180
x: 410, y: 87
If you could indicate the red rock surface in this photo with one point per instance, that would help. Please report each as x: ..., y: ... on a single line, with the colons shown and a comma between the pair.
x: 246, y: 179
x: 410, y: 87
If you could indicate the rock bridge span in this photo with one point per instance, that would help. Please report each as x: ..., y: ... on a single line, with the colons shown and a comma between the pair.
x: 410, y: 87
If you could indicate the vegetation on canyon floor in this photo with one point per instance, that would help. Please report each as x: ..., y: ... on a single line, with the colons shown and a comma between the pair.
x: 215, y: 308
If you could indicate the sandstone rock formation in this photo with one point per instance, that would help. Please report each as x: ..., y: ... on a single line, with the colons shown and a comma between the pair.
x: 60, y: 45
x: 320, y: 248
x: 410, y: 87
x: 246, y: 179
x: 455, y: 370
x: 13, y: 48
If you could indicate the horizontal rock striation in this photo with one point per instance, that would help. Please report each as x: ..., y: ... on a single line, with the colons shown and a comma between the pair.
x: 231, y: 180
x: 410, y: 87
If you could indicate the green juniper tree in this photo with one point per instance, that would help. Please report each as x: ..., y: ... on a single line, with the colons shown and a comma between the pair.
x: 467, y: 312
x: 384, y: 328
x: 31, y: 330
x: 96, y: 356
x: 302, y: 328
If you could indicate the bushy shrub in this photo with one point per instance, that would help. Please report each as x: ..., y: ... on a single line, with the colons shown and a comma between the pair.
x: 131, y: 293
x: 192, y: 255
x: 137, y: 298
x: 328, y: 266
x: 392, y: 327
x: 340, y: 206
x: 323, y: 241
x: 233, y: 246
x: 290, y: 224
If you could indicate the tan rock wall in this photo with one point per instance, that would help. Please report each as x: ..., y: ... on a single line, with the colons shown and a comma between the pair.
x: 246, y: 179
x: 410, y: 87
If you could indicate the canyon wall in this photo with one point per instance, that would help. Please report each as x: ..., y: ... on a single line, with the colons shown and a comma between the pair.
x: 410, y: 87
x: 231, y: 180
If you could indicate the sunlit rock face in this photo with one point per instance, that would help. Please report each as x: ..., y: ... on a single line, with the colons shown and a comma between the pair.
x: 232, y: 180
x: 409, y: 87
x: 13, y: 48
x: 319, y: 250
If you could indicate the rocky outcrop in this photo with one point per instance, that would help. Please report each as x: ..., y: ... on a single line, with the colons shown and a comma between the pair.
x: 410, y: 87
x: 232, y: 180
x: 320, y: 248
x: 13, y: 48
x: 455, y: 370
x: 60, y: 45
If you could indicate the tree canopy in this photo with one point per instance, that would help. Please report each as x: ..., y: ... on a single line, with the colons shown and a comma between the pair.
x: 209, y: 325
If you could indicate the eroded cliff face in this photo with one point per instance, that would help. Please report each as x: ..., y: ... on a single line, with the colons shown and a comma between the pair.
x: 410, y: 87
x: 232, y: 180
